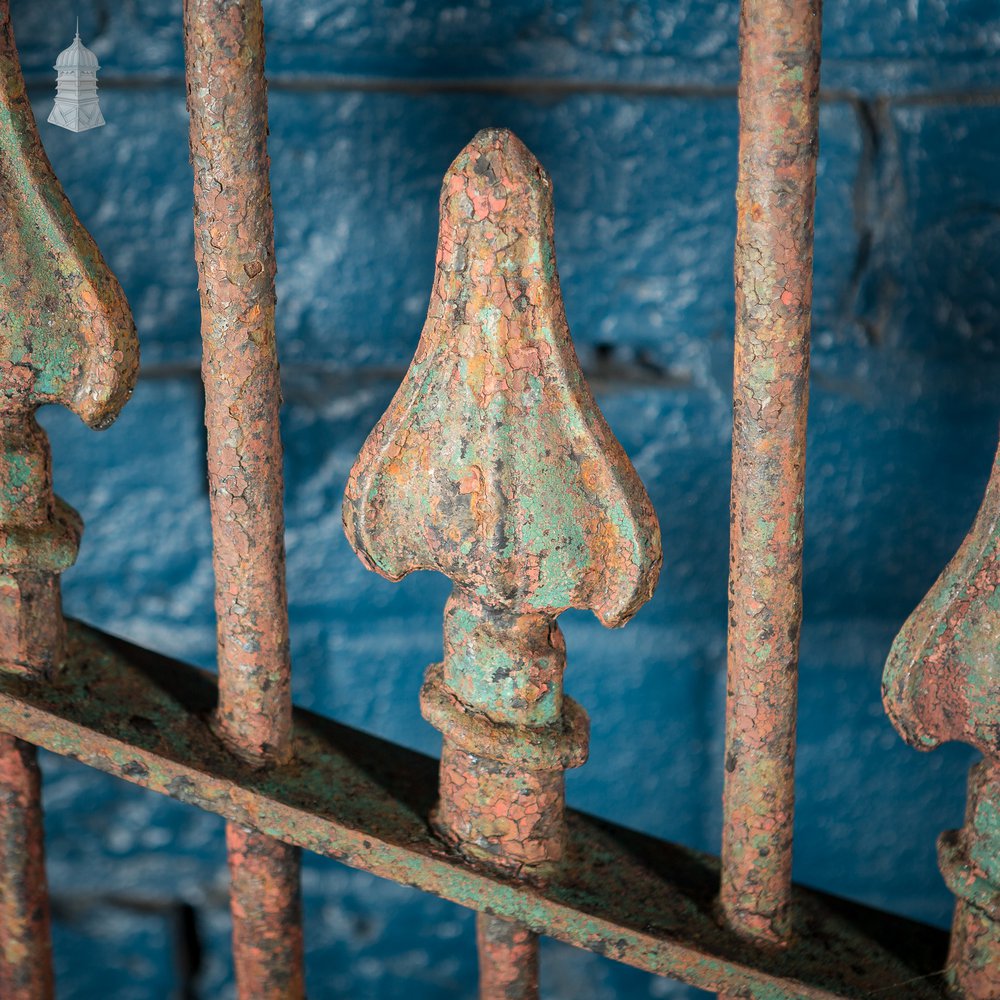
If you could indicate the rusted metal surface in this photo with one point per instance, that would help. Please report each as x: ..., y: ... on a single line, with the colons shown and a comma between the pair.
x: 353, y: 797
x: 778, y: 96
x: 265, y: 891
x: 941, y: 683
x: 508, y: 959
x: 494, y: 465
x: 67, y: 337
x: 234, y: 250
x: 25, y: 949
x: 39, y: 538
x: 970, y: 862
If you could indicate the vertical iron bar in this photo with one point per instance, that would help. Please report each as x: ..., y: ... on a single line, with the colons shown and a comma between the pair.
x: 267, y: 926
x: 778, y: 97
x: 508, y: 959
x: 32, y: 636
x: 25, y: 943
x: 234, y: 249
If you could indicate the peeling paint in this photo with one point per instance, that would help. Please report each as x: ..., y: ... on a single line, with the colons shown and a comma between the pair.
x: 234, y: 251
x: 494, y: 465
x: 941, y: 683
x: 775, y: 197
x: 66, y: 337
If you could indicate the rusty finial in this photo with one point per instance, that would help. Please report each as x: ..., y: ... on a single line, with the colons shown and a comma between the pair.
x: 66, y: 336
x: 941, y: 683
x: 494, y: 465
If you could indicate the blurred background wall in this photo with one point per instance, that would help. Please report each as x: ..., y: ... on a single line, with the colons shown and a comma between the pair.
x: 630, y: 104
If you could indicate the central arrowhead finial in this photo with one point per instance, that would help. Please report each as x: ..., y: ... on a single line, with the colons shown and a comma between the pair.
x: 493, y: 463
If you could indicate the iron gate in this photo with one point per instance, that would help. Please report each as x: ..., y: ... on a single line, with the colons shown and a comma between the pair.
x: 493, y: 465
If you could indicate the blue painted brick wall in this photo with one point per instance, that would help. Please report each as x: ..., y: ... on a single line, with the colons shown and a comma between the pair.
x: 631, y: 107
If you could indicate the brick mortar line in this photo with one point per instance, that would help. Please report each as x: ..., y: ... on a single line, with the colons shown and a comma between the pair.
x: 534, y: 87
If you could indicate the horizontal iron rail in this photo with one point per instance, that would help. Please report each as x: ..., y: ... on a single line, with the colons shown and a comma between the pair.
x: 361, y: 800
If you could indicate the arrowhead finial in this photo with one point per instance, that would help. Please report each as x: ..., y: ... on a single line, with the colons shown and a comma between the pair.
x: 941, y: 683
x: 66, y: 332
x: 66, y: 336
x: 494, y: 465
x: 942, y: 678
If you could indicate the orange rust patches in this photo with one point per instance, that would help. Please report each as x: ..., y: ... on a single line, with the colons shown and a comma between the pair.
x: 508, y: 960
x: 66, y: 337
x: 66, y: 332
x: 227, y: 101
x: 779, y: 42
x: 942, y: 677
x: 506, y: 815
x: 25, y: 951
x: 495, y: 366
x: 40, y: 536
x: 234, y: 250
x: 364, y: 802
x: 942, y: 682
x: 949, y: 691
x: 974, y: 956
x: 970, y: 862
x: 502, y: 663
x: 517, y: 490
x: 267, y: 929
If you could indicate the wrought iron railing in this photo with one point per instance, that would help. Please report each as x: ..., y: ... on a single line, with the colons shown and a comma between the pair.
x: 493, y: 465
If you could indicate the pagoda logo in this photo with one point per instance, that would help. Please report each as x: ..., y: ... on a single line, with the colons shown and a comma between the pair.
x: 76, y: 107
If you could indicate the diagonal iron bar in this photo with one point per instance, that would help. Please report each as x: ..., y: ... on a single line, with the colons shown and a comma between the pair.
x: 942, y: 682
x: 234, y: 250
x: 778, y: 96
x: 66, y: 337
x: 494, y: 465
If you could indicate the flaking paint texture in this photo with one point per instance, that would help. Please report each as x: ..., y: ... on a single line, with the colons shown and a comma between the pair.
x: 775, y: 196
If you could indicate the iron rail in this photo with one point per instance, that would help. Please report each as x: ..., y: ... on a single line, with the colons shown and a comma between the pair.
x: 363, y: 801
